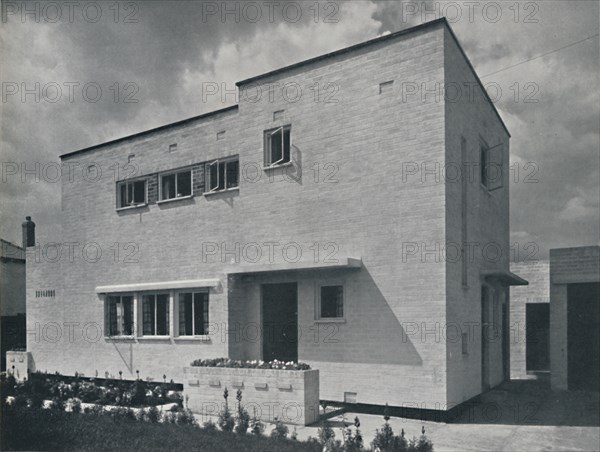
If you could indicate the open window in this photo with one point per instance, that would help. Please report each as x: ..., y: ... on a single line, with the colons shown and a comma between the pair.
x: 193, y: 313
x: 222, y: 175
x: 491, y: 168
x: 155, y: 314
x: 131, y: 193
x: 278, y: 146
x: 175, y: 185
x: 119, y: 315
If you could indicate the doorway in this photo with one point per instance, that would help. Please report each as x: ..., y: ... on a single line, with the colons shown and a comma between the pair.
x: 583, y: 336
x: 280, y: 321
x: 537, y: 336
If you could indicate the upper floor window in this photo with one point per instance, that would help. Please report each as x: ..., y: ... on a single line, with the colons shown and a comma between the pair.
x: 222, y: 175
x: 331, y: 302
x: 490, y: 166
x: 119, y: 315
x: 175, y: 185
x: 193, y: 313
x: 131, y: 193
x: 278, y: 146
x: 155, y: 314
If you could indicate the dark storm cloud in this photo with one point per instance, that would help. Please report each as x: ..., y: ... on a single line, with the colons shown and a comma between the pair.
x: 176, y: 46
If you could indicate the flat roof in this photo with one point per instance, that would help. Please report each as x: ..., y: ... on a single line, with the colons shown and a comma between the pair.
x: 352, y: 48
x: 149, y: 131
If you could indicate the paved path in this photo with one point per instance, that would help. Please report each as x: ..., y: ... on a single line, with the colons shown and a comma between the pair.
x: 519, y: 416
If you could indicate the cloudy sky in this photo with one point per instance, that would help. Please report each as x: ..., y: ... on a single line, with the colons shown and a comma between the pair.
x: 159, y: 53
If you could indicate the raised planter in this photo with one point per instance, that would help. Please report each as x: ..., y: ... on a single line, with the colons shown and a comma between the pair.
x: 290, y: 395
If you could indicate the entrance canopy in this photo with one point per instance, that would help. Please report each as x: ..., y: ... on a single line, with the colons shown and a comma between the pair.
x: 164, y: 285
x: 338, y: 263
x: 503, y: 277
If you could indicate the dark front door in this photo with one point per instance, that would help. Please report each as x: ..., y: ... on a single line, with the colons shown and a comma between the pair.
x: 280, y: 321
x: 583, y: 336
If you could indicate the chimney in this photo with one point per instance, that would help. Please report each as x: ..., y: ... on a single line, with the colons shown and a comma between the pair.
x: 28, y: 233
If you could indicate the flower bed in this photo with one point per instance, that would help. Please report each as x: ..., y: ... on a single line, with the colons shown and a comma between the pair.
x: 121, y: 393
x: 246, y: 364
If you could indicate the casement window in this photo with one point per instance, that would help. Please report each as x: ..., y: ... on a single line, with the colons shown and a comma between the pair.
x: 331, y: 305
x: 490, y: 166
x: 155, y: 314
x: 131, y: 193
x: 175, y: 185
x: 222, y: 174
x: 278, y: 146
x: 119, y: 315
x: 193, y: 313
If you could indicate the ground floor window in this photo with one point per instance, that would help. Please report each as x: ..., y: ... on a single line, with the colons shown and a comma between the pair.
x: 120, y: 315
x: 193, y: 313
x: 155, y: 314
x: 331, y: 302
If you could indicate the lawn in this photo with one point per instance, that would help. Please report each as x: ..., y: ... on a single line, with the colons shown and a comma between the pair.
x: 35, y: 429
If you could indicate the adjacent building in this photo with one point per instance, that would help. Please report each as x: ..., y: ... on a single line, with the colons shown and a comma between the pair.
x: 12, y: 298
x: 321, y: 219
x: 555, y: 320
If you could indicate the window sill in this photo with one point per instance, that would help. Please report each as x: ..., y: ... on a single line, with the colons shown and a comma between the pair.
x: 181, y: 198
x: 202, y: 338
x: 119, y: 338
x: 331, y: 320
x: 280, y: 165
x: 137, y: 206
x: 226, y: 190
x: 154, y: 338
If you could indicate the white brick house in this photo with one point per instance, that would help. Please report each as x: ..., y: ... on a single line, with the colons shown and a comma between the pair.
x: 315, y: 229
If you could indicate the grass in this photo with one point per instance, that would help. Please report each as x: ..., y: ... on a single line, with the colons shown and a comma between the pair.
x: 36, y: 429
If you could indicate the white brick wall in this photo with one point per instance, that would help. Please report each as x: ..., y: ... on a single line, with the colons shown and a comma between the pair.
x: 369, y: 213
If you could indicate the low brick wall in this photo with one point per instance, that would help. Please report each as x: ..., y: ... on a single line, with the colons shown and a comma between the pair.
x: 291, y: 396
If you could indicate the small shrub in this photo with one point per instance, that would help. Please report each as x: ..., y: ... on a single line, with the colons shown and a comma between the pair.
x: 353, y: 440
x: 210, y: 426
x: 385, y: 440
x: 326, y: 438
x: 76, y: 406
x: 226, y: 421
x: 170, y: 417
x: 186, y: 417
x: 153, y: 415
x: 280, y: 431
x: 243, y: 418
x: 257, y: 427
x: 57, y: 405
x: 423, y: 444
x: 325, y: 434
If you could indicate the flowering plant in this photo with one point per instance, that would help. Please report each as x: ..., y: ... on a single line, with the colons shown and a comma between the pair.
x: 250, y: 364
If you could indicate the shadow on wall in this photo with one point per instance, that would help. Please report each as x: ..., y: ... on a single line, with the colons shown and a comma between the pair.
x: 373, y: 336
